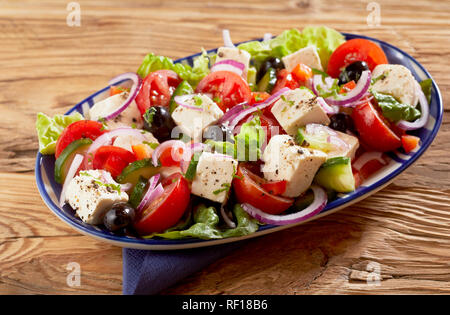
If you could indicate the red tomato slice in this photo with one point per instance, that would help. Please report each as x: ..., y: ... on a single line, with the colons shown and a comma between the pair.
x: 285, y: 79
x: 77, y: 130
x: 357, y: 49
x: 157, y: 89
x: 168, y: 209
x: 169, y: 158
x: 227, y: 88
x: 409, y: 142
x: 258, y: 97
x: 248, y: 190
x: 112, y: 159
x: 373, y: 130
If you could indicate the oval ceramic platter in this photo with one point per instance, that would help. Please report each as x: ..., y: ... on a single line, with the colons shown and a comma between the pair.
x: 399, y: 162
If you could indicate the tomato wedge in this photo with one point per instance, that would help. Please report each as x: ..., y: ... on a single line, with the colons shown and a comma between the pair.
x: 227, y: 88
x: 372, y: 129
x: 166, y: 210
x: 248, y: 189
x: 285, y: 79
x: 112, y: 159
x: 357, y: 49
x: 169, y: 158
x: 77, y: 130
x: 157, y: 89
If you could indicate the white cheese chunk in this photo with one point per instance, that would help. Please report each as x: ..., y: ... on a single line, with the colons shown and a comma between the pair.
x: 284, y: 160
x: 298, y: 108
x: 214, y: 176
x: 127, y: 141
x: 131, y: 116
x: 235, y: 54
x: 192, y: 122
x: 91, y: 197
x: 307, y: 56
x: 397, y: 81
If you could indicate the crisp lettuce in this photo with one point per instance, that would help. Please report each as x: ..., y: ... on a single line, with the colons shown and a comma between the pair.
x: 205, y: 225
x: 193, y: 75
x: 325, y: 39
x: 394, y: 110
x: 49, y: 129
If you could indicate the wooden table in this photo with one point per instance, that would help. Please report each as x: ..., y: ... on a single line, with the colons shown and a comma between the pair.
x: 403, y: 231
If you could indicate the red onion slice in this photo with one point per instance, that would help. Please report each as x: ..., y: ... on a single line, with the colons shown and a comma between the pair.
x: 367, y: 157
x: 227, y: 39
x: 152, y: 193
x: 320, y: 201
x: 424, y: 109
x: 229, y: 65
x: 182, y: 101
x: 256, y: 107
x: 231, y: 113
x: 77, y: 160
x: 107, y: 138
x: 137, y: 81
x: 226, y: 218
x: 354, y: 95
x: 175, y: 144
x: 327, y: 108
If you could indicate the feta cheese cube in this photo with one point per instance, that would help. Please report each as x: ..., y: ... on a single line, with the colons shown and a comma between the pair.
x: 352, y: 144
x: 284, y: 160
x: 131, y: 116
x: 298, y: 108
x: 397, y: 81
x: 307, y: 56
x: 235, y: 54
x: 214, y: 176
x: 91, y: 197
x: 126, y: 142
x: 192, y: 122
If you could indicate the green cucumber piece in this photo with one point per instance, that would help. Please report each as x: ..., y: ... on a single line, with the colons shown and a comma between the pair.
x: 183, y: 88
x: 62, y: 163
x: 133, y: 171
x: 138, y: 192
x: 336, y: 174
x: 192, y: 168
x: 268, y: 81
x: 251, y: 76
x: 316, y: 141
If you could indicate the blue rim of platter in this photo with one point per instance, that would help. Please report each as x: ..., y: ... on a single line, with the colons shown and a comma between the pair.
x: 50, y: 190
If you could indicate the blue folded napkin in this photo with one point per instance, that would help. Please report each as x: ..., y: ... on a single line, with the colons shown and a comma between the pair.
x: 149, y: 272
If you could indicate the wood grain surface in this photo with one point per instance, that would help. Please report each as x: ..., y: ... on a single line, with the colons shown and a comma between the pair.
x: 402, y: 232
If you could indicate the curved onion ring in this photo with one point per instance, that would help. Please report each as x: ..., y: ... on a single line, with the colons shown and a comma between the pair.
x: 227, y: 39
x: 137, y: 82
x: 175, y: 144
x: 77, y: 160
x: 319, y: 202
x: 424, y: 109
x: 229, y: 65
x: 151, y: 194
x: 367, y: 157
x: 181, y: 101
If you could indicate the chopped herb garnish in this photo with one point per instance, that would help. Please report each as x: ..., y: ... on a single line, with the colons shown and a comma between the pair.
x: 291, y: 103
x: 380, y: 77
x: 226, y: 187
x: 133, y: 125
x: 198, y: 100
x: 217, y: 99
x: 152, y: 145
x: 148, y: 115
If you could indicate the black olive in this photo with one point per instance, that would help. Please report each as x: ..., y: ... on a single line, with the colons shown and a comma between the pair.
x: 119, y: 216
x: 159, y: 122
x: 270, y: 62
x: 218, y: 133
x: 352, y: 72
x: 342, y: 122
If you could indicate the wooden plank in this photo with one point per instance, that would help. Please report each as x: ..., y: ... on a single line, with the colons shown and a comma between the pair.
x: 48, y: 66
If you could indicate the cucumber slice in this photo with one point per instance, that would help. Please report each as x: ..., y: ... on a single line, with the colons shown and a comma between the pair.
x: 268, y: 81
x: 336, y: 174
x: 133, y: 171
x: 317, y: 142
x: 183, y: 88
x: 138, y: 192
x: 62, y: 163
x: 251, y: 76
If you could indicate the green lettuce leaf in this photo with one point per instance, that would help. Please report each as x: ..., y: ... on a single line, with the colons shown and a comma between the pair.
x: 249, y: 140
x: 205, y: 225
x: 49, y: 129
x: 193, y: 75
x: 325, y: 39
x: 394, y: 110
x: 426, y: 88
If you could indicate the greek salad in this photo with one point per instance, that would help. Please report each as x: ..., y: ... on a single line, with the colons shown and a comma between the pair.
x: 266, y: 132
